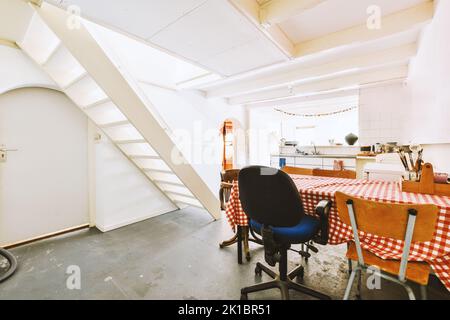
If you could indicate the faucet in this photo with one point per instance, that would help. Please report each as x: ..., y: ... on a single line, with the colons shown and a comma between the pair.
x: 315, y: 152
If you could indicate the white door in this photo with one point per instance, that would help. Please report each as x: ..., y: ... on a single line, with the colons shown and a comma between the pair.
x: 43, y: 185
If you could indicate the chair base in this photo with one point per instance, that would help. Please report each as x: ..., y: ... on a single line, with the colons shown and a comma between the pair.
x: 283, y: 284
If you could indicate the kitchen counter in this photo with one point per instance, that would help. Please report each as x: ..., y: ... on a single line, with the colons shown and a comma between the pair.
x: 311, y: 161
x: 328, y: 156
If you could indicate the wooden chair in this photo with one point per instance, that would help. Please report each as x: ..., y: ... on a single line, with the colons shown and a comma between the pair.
x: 407, y: 222
x: 227, y: 178
x: 347, y: 174
x: 295, y: 170
x: 242, y: 236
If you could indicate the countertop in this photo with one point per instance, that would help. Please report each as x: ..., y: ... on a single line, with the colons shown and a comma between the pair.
x: 328, y: 156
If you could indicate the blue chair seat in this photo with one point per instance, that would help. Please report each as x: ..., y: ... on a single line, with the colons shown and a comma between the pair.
x: 301, y: 233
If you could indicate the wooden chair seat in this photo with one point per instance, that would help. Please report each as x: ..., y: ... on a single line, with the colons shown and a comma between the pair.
x: 416, y: 271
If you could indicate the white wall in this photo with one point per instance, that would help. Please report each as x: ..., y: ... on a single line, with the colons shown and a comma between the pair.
x: 43, y: 185
x: 382, y: 113
x: 429, y: 82
x: 438, y: 155
x: 266, y: 125
x: 18, y: 71
x: 123, y: 194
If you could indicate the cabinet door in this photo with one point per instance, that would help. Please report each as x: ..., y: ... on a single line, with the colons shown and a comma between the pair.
x: 290, y: 161
x: 349, y: 164
x: 308, y: 163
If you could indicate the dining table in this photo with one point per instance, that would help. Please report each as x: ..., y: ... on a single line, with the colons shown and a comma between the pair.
x: 313, y: 189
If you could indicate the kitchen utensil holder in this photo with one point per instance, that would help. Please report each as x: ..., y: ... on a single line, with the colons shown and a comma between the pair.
x: 426, y: 185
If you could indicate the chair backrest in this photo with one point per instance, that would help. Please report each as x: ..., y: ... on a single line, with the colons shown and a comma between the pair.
x: 388, y: 219
x: 227, y: 177
x: 230, y: 175
x: 408, y: 222
x: 270, y: 197
x: 347, y: 174
x: 295, y: 170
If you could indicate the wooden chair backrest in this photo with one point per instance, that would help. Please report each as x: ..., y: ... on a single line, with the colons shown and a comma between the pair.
x: 388, y: 219
x: 230, y: 175
x: 347, y: 174
x: 227, y: 178
x: 294, y: 170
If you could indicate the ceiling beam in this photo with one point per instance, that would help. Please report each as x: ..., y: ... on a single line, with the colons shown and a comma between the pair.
x: 391, y: 24
x: 8, y: 43
x: 277, y: 11
x: 252, y: 11
x: 339, y: 82
x: 304, y: 98
x: 301, y: 73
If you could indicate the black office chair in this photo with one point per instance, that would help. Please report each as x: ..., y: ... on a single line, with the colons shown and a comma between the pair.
x: 274, y: 207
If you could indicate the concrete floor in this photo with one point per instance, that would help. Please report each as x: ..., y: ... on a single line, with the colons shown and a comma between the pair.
x: 173, y: 256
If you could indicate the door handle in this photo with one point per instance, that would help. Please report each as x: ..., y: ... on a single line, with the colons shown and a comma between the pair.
x: 8, y: 150
x: 4, y: 153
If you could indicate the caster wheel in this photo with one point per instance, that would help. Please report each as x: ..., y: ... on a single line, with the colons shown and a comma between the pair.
x: 258, y: 271
x: 244, y: 296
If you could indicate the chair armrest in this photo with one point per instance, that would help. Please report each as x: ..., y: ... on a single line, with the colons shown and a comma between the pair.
x: 323, y: 211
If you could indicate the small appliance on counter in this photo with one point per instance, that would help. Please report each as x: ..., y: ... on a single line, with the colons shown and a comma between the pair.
x: 288, y: 147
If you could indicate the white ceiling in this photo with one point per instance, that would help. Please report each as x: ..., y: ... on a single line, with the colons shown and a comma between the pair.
x: 143, y: 61
x: 335, y: 15
x: 14, y: 18
x: 230, y: 38
x: 211, y: 33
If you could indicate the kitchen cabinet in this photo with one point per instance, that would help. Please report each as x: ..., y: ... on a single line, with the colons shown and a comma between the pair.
x: 313, y: 162
x: 308, y: 163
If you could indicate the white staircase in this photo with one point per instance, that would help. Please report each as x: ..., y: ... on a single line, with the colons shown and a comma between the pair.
x: 76, y: 62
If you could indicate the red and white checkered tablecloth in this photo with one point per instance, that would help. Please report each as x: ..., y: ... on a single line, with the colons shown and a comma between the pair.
x: 312, y: 189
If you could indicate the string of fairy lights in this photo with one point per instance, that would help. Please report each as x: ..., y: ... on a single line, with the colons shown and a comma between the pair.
x: 316, y: 115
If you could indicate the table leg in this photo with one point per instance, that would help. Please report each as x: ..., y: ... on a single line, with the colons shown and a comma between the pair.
x: 239, y: 243
x: 245, y: 231
x: 243, y: 235
x: 229, y: 242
